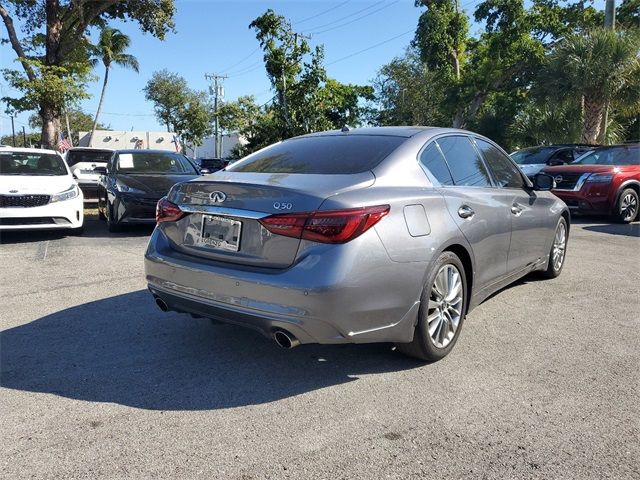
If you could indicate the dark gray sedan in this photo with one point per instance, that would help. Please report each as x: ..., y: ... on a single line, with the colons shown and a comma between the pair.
x: 366, y: 235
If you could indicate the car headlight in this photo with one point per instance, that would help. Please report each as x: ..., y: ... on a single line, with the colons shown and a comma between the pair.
x: 600, y: 178
x: 68, y: 194
x: 121, y: 187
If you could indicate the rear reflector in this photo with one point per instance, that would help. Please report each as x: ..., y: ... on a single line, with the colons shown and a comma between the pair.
x: 330, y: 226
x: 167, y: 211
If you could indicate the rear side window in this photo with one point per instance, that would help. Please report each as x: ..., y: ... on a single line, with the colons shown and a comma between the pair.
x: 89, y: 156
x: 504, y: 172
x: 466, y: 166
x: 433, y: 160
x: 334, y: 154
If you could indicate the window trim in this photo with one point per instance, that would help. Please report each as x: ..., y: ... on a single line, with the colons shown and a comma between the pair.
x: 525, y: 180
x: 469, y: 137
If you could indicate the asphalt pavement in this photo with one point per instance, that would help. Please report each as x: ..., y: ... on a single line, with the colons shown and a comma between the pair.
x: 96, y: 382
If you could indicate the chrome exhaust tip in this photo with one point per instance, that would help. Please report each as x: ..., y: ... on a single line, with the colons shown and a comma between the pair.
x: 285, y: 340
x: 162, y: 304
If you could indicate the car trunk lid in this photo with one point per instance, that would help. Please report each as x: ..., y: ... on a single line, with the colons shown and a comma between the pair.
x: 224, y: 210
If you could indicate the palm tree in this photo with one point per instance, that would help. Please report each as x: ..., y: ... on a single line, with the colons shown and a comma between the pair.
x: 598, y: 67
x: 111, y: 50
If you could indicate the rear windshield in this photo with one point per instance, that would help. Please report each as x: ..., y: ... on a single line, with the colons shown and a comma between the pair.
x: 89, y: 156
x: 335, y: 154
x: 627, y: 155
x: 36, y: 164
x: 155, y: 163
x: 532, y: 156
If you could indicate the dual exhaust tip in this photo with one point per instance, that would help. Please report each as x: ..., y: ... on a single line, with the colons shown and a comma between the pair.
x: 283, y: 338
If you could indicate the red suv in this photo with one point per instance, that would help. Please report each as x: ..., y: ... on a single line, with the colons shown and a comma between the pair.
x: 603, y: 181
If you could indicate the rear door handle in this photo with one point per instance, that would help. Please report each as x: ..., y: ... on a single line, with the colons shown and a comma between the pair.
x: 516, y: 209
x: 465, y: 211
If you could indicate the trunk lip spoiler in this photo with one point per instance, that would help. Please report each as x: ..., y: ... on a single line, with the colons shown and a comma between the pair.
x: 217, y: 210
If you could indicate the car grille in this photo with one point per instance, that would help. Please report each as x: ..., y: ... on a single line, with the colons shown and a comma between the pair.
x: 569, y: 180
x: 23, y: 200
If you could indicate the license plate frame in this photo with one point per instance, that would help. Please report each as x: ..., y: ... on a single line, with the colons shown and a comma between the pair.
x: 215, y: 236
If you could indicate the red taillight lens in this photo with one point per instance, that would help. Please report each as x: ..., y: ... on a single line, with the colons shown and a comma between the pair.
x: 331, y: 226
x: 167, y: 211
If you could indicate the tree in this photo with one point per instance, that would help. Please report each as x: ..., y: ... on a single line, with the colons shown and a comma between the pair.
x: 182, y: 110
x: 33, y: 139
x: 600, y: 67
x: 53, y: 51
x: 79, y: 121
x: 306, y: 99
x: 111, y: 50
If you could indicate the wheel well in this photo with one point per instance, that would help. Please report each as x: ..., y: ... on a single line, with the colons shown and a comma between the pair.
x: 465, y: 258
x: 567, y: 217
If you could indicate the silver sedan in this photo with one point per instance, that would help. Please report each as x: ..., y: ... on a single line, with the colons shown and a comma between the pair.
x: 386, y: 234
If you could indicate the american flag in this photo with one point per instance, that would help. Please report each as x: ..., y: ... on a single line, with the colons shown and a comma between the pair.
x: 177, y: 142
x: 63, y: 143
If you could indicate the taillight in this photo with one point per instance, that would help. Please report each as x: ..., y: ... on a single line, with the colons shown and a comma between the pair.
x: 330, y: 226
x: 167, y: 211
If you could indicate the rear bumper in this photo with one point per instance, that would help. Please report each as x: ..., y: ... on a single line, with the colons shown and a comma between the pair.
x: 333, y: 299
x: 58, y: 215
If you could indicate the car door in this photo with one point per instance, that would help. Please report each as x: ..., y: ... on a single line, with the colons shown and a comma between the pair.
x: 466, y: 186
x: 529, y: 212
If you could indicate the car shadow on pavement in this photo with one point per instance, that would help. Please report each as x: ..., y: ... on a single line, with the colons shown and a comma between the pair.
x: 603, y: 224
x: 123, y: 350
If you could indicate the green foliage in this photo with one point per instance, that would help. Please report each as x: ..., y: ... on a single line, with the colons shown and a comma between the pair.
x: 33, y: 139
x: 53, y: 87
x: 181, y: 109
x: 79, y: 121
x: 111, y: 48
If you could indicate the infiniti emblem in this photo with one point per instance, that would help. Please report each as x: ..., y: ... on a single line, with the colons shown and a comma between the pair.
x: 217, y: 196
x: 558, y: 179
x: 13, y: 191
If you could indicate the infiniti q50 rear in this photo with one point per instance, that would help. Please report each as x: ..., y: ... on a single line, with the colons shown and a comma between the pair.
x: 369, y: 235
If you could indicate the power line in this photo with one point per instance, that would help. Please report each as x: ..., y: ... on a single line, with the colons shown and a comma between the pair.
x: 321, y: 13
x: 355, y: 19
x: 369, y: 48
x: 241, y: 61
x: 350, y: 15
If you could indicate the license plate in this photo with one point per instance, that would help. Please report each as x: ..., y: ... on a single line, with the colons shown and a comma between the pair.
x: 221, y: 232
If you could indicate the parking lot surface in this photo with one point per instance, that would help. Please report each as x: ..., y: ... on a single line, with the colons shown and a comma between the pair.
x: 98, y: 383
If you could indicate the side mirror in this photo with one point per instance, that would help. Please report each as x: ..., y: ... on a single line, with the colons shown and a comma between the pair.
x: 543, y: 182
x: 204, y: 171
x: 100, y: 170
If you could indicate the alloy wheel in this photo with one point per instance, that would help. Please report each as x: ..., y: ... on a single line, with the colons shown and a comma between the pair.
x: 445, y: 306
x: 559, y: 246
x: 628, y: 207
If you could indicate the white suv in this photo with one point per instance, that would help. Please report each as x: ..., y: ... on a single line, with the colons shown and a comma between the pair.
x: 38, y: 191
x: 83, y: 161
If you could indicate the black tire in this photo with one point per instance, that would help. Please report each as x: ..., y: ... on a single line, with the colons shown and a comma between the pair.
x: 553, y: 270
x: 627, y: 206
x: 112, y: 226
x: 423, y: 347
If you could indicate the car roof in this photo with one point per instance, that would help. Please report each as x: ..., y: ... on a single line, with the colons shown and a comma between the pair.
x: 144, y: 150
x: 399, y: 131
x: 90, y: 149
x: 7, y: 148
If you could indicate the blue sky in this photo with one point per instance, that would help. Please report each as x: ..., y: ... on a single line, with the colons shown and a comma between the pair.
x: 213, y: 36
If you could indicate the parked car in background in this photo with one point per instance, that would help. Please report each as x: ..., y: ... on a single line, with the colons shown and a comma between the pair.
x: 83, y: 161
x: 368, y: 235
x: 212, y: 164
x: 604, y: 181
x: 38, y: 191
x: 534, y: 159
x: 134, y: 180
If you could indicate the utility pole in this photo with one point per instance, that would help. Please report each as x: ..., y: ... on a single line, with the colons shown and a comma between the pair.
x: 24, y: 137
x: 217, y: 90
x: 13, y: 131
x: 610, y: 14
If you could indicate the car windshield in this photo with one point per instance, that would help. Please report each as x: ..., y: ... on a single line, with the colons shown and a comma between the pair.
x: 157, y: 163
x: 88, y: 156
x: 621, y: 155
x: 34, y: 164
x: 331, y: 154
x: 532, y: 156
